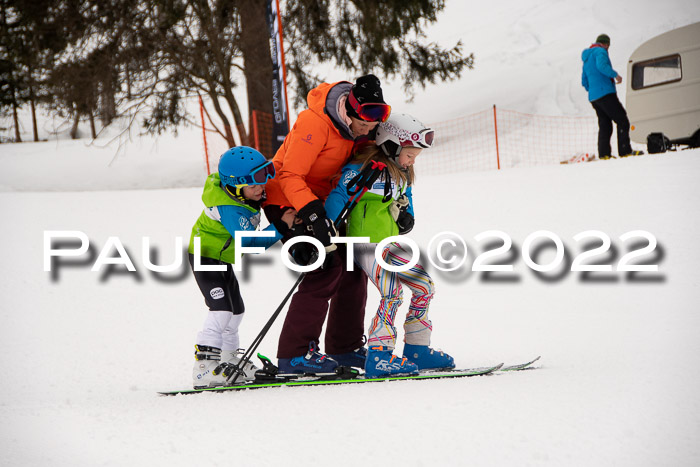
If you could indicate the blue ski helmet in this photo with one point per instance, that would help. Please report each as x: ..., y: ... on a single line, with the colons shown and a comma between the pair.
x: 241, y: 166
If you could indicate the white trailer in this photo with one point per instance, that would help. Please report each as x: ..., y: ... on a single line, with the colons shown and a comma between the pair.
x: 663, y: 90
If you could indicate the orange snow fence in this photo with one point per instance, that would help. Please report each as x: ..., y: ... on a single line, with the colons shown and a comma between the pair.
x: 262, y: 132
x: 489, y: 140
x: 502, y: 139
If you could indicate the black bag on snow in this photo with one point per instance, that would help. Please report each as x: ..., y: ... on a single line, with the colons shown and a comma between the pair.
x: 657, y: 143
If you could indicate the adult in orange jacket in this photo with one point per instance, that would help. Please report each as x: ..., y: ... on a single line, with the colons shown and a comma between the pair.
x: 313, y: 152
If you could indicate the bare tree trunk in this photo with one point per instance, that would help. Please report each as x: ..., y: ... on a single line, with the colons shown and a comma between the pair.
x: 128, y: 81
x: 257, y: 59
x: 35, y: 130
x: 108, y: 107
x: 74, y: 129
x: 93, y: 133
x: 227, y: 125
x: 18, y: 138
x: 240, y: 126
x: 235, y: 111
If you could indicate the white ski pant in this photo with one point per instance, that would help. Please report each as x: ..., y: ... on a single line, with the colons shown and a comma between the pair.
x: 220, y: 330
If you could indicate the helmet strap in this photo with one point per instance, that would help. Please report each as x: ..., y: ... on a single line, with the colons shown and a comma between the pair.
x: 387, y: 146
x: 395, y: 160
x: 236, y: 194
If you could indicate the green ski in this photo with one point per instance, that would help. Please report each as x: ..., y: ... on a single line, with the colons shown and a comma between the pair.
x: 311, y: 381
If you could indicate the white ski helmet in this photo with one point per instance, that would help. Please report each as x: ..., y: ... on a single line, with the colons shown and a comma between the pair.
x: 401, y: 131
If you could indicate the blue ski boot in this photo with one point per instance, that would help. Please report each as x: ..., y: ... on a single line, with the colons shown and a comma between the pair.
x: 355, y: 359
x: 314, y: 362
x: 382, y: 362
x: 428, y: 359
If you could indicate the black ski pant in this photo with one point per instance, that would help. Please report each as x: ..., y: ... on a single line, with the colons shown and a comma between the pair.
x: 220, y: 288
x: 609, y: 110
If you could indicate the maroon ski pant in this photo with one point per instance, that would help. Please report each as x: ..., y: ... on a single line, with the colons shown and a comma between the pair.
x: 347, y: 292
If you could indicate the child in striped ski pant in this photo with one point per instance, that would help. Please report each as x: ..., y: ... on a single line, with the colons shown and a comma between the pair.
x: 417, y: 327
x: 386, y: 210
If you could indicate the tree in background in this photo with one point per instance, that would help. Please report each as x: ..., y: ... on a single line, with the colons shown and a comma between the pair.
x: 129, y: 57
x: 202, y: 51
x: 363, y: 36
x: 207, y: 41
x: 108, y: 66
x: 77, y: 58
x: 32, y: 32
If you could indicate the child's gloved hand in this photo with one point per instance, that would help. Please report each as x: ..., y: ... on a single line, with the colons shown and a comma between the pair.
x: 397, y: 206
x: 405, y: 222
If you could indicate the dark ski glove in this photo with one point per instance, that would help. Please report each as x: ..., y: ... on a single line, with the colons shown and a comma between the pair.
x: 303, y: 253
x: 405, y: 222
x: 399, y: 211
x: 321, y: 227
x: 398, y: 205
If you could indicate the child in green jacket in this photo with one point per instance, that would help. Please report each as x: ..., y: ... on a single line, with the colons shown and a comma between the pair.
x: 232, y: 199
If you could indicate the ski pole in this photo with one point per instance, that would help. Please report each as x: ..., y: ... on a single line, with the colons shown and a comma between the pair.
x: 357, y: 187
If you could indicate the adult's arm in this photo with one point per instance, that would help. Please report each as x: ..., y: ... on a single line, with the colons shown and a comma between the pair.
x: 306, y: 141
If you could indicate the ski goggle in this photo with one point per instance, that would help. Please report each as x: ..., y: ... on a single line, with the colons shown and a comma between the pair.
x: 370, y: 112
x: 422, y: 139
x: 258, y: 176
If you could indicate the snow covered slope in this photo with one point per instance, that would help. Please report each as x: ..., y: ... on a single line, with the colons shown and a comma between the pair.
x: 85, y: 352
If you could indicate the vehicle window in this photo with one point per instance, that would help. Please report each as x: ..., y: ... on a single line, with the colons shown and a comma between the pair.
x: 657, y: 71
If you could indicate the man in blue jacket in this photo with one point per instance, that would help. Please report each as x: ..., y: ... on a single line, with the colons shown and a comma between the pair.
x: 599, y: 79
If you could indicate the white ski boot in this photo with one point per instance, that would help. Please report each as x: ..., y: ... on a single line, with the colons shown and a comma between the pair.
x: 230, y: 359
x: 204, y: 373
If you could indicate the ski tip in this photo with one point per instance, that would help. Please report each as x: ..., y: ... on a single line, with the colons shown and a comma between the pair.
x: 522, y: 366
x: 533, y: 360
